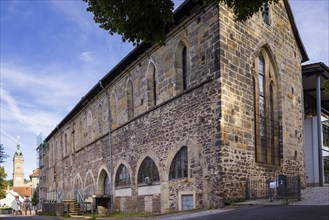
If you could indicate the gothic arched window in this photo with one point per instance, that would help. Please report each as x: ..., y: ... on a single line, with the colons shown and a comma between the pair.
x: 151, y: 85
x: 89, y: 119
x: 266, y: 116
x: 148, y: 169
x: 181, y: 67
x: 113, y: 110
x: 122, y: 177
x: 89, y: 126
x: 262, y: 108
x: 184, y: 67
x: 100, y: 118
x: 130, y: 100
x: 179, y: 165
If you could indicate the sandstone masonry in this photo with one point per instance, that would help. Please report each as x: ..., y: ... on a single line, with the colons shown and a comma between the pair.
x: 156, y: 111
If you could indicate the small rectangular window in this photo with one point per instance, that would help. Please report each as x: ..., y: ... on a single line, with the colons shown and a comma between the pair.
x: 187, y: 202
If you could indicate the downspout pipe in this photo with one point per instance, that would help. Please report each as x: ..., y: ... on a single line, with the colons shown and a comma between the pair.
x: 110, y: 146
x: 319, y: 126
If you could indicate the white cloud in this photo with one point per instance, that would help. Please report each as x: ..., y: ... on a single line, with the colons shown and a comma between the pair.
x: 32, y: 119
x: 11, y: 139
x: 86, y: 56
x: 49, y: 86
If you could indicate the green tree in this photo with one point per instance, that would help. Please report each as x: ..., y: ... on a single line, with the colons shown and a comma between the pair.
x: 325, y: 86
x: 3, y: 182
x: 35, y: 197
x: 3, y: 156
x: 10, y: 182
x: 146, y: 20
x: 3, y: 175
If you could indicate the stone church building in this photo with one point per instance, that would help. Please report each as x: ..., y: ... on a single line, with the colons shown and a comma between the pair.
x: 184, y: 125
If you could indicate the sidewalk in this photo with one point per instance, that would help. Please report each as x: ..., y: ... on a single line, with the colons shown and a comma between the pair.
x: 310, y: 196
x: 314, y: 196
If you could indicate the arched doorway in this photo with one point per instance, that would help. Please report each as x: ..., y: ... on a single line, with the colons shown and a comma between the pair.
x: 78, y: 188
x: 103, y: 192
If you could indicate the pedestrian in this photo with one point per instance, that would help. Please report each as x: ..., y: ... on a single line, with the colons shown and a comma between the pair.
x: 16, y: 206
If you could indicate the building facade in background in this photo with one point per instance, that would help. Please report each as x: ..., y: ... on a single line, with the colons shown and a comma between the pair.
x: 316, y: 125
x: 34, y: 177
x: 185, y: 125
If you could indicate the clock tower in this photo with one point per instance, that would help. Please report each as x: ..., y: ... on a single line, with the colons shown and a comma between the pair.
x: 18, y: 170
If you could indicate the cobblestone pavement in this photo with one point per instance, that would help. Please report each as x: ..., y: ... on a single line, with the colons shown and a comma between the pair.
x: 314, y: 196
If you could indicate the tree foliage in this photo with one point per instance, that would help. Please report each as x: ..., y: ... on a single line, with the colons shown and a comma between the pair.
x: 146, y: 20
x: 3, y: 182
x: 3, y: 175
x: 35, y: 197
x: 325, y: 86
x: 10, y: 182
x: 3, y: 156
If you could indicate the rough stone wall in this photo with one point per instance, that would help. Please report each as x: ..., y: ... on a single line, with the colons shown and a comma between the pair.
x: 78, y: 153
x: 53, y: 208
x: 188, y: 121
x: 213, y: 117
x: 240, y: 43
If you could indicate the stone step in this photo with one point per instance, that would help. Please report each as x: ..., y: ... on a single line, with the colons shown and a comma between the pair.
x: 74, y: 207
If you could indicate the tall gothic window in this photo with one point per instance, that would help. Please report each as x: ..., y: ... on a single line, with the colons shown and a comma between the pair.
x: 122, y: 177
x: 65, y: 144
x: 100, y: 118
x: 89, y: 126
x: 148, y: 169
x: 184, y: 68
x: 154, y: 88
x: 89, y: 119
x: 181, y: 67
x: 151, y: 85
x: 266, y: 115
x: 178, y: 167
x: 113, y: 109
x: 130, y: 100
x: 262, y: 109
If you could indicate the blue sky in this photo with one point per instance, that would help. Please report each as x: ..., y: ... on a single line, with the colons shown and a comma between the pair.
x: 52, y: 53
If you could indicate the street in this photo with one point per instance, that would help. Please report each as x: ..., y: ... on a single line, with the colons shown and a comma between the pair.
x: 10, y: 217
x: 273, y: 212
x: 279, y: 212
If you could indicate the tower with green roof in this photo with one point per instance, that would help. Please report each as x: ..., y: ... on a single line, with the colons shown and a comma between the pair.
x: 18, y: 169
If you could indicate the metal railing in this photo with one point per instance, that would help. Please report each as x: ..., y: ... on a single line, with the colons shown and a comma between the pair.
x: 281, y: 187
x: 80, y: 198
x: 58, y: 196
